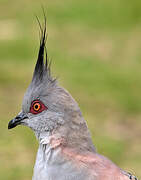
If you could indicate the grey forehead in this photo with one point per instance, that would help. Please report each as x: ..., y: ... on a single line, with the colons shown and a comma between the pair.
x: 30, y: 95
x: 42, y: 91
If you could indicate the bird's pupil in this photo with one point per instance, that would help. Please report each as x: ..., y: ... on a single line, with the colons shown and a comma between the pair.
x: 36, y: 106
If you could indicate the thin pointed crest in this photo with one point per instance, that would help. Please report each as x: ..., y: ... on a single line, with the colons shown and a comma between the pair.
x: 42, y: 67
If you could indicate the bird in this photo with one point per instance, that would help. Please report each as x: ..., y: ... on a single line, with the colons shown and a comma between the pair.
x: 66, y: 150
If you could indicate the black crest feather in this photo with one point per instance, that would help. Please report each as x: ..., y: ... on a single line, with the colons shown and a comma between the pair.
x: 42, y: 67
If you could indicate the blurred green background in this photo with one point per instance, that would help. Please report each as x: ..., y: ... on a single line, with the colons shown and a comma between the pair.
x: 95, y: 47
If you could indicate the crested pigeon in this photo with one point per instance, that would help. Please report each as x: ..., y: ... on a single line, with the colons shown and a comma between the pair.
x: 66, y: 151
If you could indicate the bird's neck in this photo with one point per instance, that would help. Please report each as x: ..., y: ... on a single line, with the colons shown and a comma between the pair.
x: 47, y: 157
x: 72, y: 135
x: 53, y: 159
x: 58, y: 146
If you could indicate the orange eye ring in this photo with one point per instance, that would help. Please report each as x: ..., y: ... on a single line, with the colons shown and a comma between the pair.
x: 37, y: 106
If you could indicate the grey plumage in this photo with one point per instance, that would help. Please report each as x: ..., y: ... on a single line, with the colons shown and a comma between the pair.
x: 66, y: 151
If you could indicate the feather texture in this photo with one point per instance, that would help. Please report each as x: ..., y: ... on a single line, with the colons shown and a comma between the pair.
x: 42, y: 69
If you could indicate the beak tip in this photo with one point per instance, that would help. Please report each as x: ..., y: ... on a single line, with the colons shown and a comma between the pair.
x: 11, y: 124
x: 17, y: 120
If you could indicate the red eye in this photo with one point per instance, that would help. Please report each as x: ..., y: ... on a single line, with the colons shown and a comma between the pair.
x: 37, y: 107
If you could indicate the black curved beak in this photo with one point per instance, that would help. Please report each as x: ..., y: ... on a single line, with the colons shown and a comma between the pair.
x: 17, y: 120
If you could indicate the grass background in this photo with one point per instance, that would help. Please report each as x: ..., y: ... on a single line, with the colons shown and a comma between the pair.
x: 95, y: 47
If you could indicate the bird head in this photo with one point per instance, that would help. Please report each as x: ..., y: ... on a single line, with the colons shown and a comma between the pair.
x: 48, y: 108
x: 46, y: 105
